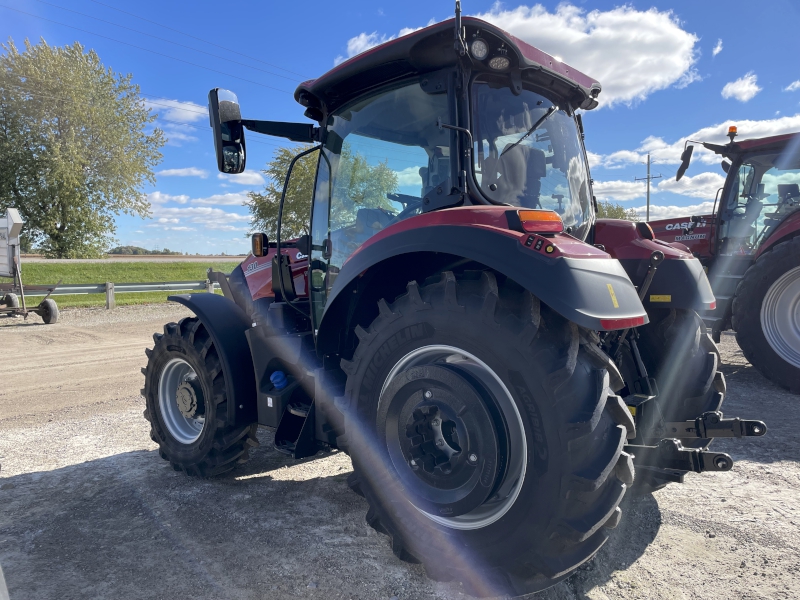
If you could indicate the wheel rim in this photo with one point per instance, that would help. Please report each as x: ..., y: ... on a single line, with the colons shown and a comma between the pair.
x: 780, y: 317
x: 507, y: 491
x: 175, y: 388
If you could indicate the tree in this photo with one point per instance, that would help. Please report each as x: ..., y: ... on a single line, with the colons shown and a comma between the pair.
x: 609, y: 210
x: 357, y: 185
x: 74, y: 150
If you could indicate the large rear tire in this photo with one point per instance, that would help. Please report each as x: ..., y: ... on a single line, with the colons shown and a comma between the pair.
x: 766, y: 314
x: 484, y: 435
x: 187, y: 406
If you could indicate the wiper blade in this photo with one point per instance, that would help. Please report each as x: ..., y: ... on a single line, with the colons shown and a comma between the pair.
x: 536, y: 126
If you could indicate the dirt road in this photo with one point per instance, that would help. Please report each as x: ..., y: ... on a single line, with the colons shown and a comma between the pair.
x: 89, y: 510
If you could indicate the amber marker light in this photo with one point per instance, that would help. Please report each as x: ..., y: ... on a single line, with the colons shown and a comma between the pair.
x: 732, y: 131
x: 536, y: 221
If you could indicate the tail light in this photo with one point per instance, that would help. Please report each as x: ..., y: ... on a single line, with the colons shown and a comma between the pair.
x: 535, y: 221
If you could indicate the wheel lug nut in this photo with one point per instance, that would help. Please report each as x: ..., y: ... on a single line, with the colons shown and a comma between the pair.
x: 473, y: 458
x: 428, y: 394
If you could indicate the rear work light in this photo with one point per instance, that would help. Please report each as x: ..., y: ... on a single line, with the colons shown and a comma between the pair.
x: 535, y: 221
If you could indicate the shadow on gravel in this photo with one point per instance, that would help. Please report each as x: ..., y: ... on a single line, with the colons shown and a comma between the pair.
x: 128, y: 526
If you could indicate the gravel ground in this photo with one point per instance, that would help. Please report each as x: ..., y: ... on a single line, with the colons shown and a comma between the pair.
x: 89, y: 510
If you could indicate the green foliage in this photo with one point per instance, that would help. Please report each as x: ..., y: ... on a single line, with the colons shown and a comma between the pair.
x: 117, y: 271
x: 74, y: 151
x: 137, y: 251
x: 612, y: 210
x: 358, y: 185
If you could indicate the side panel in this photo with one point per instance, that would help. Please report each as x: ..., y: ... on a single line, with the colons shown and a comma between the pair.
x: 788, y: 229
x: 700, y: 241
x: 583, y: 290
x: 258, y: 273
x: 227, y: 323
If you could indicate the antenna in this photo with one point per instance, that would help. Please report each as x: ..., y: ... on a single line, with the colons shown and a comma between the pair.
x: 648, y: 179
x: 460, y: 34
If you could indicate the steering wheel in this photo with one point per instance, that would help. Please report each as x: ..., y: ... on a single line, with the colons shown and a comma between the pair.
x: 410, y: 204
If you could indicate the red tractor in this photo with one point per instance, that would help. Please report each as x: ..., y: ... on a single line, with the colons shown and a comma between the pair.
x: 750, y: 247
x: 455, y: 319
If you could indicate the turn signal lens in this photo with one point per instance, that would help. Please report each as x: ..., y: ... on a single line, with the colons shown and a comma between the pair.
x: 540, y: 221
x: 627, y: 323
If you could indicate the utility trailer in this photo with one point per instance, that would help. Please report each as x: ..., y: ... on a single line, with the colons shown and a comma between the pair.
x: 12, y: 295
x: 456, y: 319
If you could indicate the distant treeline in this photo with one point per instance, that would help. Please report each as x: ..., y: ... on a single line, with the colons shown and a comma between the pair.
x: 137, y: 250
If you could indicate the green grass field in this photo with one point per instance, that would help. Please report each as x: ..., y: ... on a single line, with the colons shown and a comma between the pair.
x: 116, y: 272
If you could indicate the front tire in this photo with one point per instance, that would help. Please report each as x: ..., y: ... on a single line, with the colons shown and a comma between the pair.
x: 48, y: 310
x: 187, y: 406
x: 766, y: 314
x: 484, y: 435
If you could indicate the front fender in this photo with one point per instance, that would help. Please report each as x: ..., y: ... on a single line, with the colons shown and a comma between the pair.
x: 227, y: 323
x: 586, y: 287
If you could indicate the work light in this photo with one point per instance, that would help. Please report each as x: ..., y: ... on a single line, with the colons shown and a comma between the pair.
x: 499, y: 63
x: 479, y: 49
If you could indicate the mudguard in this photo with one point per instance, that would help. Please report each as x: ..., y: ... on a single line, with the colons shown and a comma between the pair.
x: 227, y: 323
x: 580, y: 282
x: 679, y: 282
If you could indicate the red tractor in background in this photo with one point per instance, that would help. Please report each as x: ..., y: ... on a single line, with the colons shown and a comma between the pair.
x: 455, y: 319
x: 750, y: 247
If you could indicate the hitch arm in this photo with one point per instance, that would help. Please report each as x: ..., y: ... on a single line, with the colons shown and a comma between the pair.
x: 670, y: 454
x: 712, y: 424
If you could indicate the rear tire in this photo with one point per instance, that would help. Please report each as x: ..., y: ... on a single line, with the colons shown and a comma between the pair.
x: 544, y: 383
x: 48, y: 310
x: 187, y: 407
x: 766, y: 314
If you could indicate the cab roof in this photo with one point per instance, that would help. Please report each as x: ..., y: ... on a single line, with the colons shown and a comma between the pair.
x: 431, y: 49
x: 774, y: 143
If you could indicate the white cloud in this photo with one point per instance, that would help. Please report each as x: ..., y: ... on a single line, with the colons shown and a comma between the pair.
x: 619, y: 191
x: 176, y: 136
x: 792, y: 87
x: 632, y: 53
x: 703, y: 185
x: 409, y: 177
x: 364, y: 41
x: 199, y: 214
x: 668, y: 212
x: 664, y: 153
x: 743, y: 89
x: 177, y: 110
x: 162, y: 198
x: 718, y: 48
x: 230, y: 199
x: 185, y: 172
x: 246, y: 178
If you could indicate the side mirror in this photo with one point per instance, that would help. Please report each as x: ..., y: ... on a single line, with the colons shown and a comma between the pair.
x: 226, y: 122
x: 686, y: 158
x: 260, y: 244
x: 726, y: 166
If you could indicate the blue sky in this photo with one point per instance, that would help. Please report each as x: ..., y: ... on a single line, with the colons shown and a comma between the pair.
x: 670, y: 71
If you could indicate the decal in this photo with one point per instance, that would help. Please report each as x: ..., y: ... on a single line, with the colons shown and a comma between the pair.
x: 693, y: 236
x: 538, y: 245
x: 529, y: 241
x: 254, y: 267
x: 671, y: 226
x: 660, y: 298
x: 633, y: 410
x: 300, y: 255
x: 613, y: 295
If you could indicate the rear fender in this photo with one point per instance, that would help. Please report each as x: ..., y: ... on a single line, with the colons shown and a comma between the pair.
x: 788, y: 229
x: 581, y: 283
x: 227, y: 323
x: 679, y: 282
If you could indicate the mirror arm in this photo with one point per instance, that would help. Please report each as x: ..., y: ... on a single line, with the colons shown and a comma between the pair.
x: 296, y: 132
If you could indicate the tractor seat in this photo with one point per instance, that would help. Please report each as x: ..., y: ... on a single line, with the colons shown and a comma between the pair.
x: 519, y: 170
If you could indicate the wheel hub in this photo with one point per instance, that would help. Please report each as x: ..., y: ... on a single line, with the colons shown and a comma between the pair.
x: 189, y: 397
x: 442, y: 438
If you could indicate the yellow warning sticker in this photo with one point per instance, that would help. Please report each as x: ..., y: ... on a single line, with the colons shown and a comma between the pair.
x: 660, y: 298
x: 613, y: 295
x: 633, y: 410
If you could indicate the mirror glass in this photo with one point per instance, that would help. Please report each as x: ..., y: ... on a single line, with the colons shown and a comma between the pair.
x: 225, y: 116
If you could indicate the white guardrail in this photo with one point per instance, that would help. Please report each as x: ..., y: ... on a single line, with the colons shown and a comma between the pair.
x: 110, y: 289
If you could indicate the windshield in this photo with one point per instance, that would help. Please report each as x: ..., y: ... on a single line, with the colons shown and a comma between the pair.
x: 528, y: 153
x: 765, y: 191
